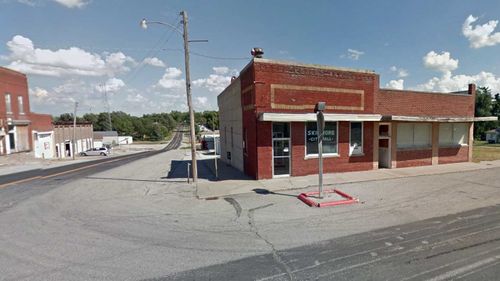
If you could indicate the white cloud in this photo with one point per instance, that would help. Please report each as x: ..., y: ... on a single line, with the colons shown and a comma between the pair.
x: 218, y: 81
x: 72, y: 3
x: 26, y: 58
x: 113, y: 85
x: 154, y: 61
x: 440, y: 62
x: 172, y: 79
x: 395, y: 84
x: 136, y: 98
x: 354, y: 54
x: 480, y: 35
x: 220, y: 70
x: 450, y: 83
x: 31, y: 3
x: 202, y: 100
x: 39, y: 92
x: 400, y: 71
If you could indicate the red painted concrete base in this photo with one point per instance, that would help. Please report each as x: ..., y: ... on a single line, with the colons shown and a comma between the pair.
x: 305, y: 197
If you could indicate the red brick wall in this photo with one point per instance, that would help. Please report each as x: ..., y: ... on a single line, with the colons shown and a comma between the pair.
x: 41, y: 122
x: 394, y: 102
x: 411, y: 158
x: 342, y: 163
x: 264, y: 150
x: 267, y: 74
x: 16, y: 84
x: 453, y: 154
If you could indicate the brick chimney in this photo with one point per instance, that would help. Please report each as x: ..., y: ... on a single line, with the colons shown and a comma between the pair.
x: 472, y: 89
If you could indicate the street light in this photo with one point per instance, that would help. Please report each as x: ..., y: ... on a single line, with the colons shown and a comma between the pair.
x: 144, y: 24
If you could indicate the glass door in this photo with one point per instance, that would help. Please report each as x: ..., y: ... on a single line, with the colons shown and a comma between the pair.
x: 281, y: 149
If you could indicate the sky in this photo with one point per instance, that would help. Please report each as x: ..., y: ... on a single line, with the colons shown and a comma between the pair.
x: 83, y: 50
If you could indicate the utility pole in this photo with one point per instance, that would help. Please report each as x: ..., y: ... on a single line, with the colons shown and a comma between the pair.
x: 215, y: 150
x: 110, y: 125
x: 74, y: 130
x: 194, y: 167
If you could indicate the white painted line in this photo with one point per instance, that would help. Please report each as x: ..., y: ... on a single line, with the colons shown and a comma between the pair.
x: 464, y: 269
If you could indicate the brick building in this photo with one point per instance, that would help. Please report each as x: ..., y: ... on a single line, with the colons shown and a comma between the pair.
x: 21, y: 129
x: 268, y: 124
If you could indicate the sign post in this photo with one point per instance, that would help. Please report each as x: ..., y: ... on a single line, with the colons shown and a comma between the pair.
x: 320, y: 119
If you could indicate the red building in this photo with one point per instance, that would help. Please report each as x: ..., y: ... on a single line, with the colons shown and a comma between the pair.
x: 268, y: 124
x: 21, y: 129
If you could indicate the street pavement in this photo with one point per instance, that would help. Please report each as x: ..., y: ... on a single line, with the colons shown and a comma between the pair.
x: 141, y: 220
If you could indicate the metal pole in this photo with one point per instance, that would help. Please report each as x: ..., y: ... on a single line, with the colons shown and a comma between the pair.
x: 188, y: 171
x: 74, y: 130
x: 215, y: 151
x: 188, y: 93
x: 320, y: 129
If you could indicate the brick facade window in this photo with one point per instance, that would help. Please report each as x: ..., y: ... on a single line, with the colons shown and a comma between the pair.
x: 453, y: 134
x: 20, y: 104
x: 356, y: 138
x: 8, y: 103
x: 330, y: 138
x: 414, y: 135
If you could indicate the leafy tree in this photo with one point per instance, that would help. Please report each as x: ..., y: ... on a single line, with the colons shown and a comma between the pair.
x: 484, y: 107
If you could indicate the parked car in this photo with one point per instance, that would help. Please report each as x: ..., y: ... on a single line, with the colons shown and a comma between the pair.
x: 103, y: 151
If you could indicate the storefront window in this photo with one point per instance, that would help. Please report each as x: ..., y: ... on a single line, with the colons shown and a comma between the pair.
x: 414, y: 135
x: 453, y: 134
x: 329, y: 138
x: 356, y: 138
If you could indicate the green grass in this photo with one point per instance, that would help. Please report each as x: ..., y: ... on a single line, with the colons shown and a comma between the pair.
x: 485, y: 152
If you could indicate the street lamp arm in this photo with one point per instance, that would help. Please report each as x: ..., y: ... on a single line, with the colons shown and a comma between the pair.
x: 144, y: 24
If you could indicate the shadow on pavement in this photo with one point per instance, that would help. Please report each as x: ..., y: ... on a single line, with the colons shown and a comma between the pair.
x: 206, y: 170
x: 263, y: 191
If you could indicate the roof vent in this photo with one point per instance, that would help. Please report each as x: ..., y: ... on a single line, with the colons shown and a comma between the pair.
x: 233, y: 78
x: 257, y: 52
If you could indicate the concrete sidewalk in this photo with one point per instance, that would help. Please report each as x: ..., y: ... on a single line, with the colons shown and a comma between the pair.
x: 231, y: 181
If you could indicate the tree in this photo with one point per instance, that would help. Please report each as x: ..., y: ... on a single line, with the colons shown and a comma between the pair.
x: 484, y: 107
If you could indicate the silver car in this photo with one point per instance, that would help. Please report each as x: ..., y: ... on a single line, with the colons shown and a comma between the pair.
x: 95, y: 152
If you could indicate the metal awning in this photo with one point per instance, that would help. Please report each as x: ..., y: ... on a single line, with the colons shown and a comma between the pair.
x: 305, y: 117
x: 484, y: 119
x: 437, y: 119
x: 19, y: 122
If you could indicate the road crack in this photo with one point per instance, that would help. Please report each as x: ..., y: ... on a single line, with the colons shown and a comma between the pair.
x: 236, y: 206
x: 276, y: 256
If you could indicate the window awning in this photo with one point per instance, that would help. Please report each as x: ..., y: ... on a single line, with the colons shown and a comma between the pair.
x: 19, y: 122
x: 304, y: 117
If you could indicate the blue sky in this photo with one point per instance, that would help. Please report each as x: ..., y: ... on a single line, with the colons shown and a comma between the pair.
x: 75, y: 50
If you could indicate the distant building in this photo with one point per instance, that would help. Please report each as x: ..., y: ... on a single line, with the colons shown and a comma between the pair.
x: 105, y: 138
x: 268, y: 122
x: 21, y: 129
x: 63, y: 135
x: 493, y: 136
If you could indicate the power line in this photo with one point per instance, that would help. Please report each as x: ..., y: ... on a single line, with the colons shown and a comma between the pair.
x: 208, y: 56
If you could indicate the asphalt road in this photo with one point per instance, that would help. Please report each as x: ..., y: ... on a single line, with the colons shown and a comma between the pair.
x: 134, y: 222
x: 464, y: 246
x: 17, y: 187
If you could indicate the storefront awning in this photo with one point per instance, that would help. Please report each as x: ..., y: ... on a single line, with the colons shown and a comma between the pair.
x: 19, y: 122
x: 437, y: 119
x: 304, y: 117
